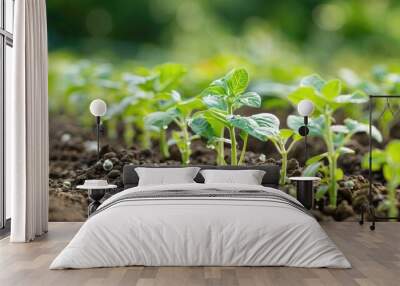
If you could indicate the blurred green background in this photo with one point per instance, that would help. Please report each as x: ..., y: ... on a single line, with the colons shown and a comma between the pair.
x: 324, y: 34
x: 277, y: 41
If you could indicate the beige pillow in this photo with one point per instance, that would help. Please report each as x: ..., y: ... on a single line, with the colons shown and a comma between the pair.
x: 247, y: 177
x: 166, y: 176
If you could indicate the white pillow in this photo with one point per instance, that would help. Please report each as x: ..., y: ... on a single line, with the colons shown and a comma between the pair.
x: 247, y: 177
x: 166, y: 176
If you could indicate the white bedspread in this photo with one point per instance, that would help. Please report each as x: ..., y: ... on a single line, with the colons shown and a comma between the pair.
x: 200, y: 231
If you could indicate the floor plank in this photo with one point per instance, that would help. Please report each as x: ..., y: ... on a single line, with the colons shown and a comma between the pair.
x: 375, y: 257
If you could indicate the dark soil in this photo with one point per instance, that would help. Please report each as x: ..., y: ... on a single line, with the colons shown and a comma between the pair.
x: 73, y: 160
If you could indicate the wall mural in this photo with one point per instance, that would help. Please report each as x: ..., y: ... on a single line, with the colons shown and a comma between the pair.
x: 214, y: 82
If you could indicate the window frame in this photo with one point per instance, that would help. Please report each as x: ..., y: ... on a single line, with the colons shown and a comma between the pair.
x: 6, y: 39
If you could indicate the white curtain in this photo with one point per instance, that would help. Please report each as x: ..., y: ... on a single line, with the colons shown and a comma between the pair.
x: 27, y: 124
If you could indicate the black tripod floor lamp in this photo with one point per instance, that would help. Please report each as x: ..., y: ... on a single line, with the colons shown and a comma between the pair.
x: 305, y: 108
x: 369, y: 207
x: 98, y: 108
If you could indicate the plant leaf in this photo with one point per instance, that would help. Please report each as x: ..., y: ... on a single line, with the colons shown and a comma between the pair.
x: 315, y: 125
x: 311, y: 170
x: 268, y: 88
x: 345, y: 150
x: 339, y: 129
x: 214, y: 101
x: 267, y: 120
x: 339, y: 174
x: 160, y: 119
x: 216, y: 90
x: 321, y: 191
x: 202, y: 127
x: 120, y: 107
x: 176, y: 96
x: 218, y: 115
x: 389, y: 173
x: 304, y: 92
x: 332, y: 89
x: 310, y: 93
x: 356, y: 97
x: 237, y: 81
x: 297, y: 137
x: 316, y: 158
x: 393, y: 153
x: 286, y: 133
x: 314, y: 81
x: 208, y: 123
x: 338, y: 139
x: 169, y: 76
x: 105, y: 83
x: 358, y: 127
x: 378, y: 160
x: 323, y: 94
x: 186, y: 107
x: 134, y: 79
x: 251, y: 99
x: 248, y: 125
x: 219, y: 82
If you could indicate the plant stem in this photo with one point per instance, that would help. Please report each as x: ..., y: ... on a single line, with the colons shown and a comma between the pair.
x: 280, y: 147
x: 129, y: 135
x: 232, y: 135
x: 119, y: 131
x: 332, y: 182
x: 233, y: 146
x: 145, y: 139
x: 186, y: 152
x: 332, y: 159
x: 220, y: 150
x: 243, y: 152
x: 163, y: 144
x: 393, y: 211
x: 282, y: 179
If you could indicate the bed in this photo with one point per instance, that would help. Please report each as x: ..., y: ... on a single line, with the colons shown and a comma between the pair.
x: 197, y: 224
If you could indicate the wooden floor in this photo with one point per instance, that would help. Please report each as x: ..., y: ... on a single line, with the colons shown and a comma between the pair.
x: 375, y: 257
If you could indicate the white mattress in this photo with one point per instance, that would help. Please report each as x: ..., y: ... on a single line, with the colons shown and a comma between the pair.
x: 200, y: 231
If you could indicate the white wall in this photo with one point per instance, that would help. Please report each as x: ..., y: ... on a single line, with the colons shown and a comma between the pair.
x: 8, y: 85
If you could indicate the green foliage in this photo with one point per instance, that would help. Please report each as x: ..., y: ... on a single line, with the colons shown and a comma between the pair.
x: 148, y: 91
x: 326, y: 95
x: 283, y: 140
x: 264, y: 127
x: 327, y: 98
x: 378, y: 159
x: 277, y: 47
x: 180, y: 114
x: 223, y: 97
x: 388, y: 161
x: 147, y: 102
x: 80, y: 83
x: 380, y: 81
x: 160, y: 119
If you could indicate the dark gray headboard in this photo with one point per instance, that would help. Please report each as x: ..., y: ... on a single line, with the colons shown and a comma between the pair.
x: 271, y: 177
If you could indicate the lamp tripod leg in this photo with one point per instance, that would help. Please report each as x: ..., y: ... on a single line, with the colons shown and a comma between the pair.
x: 305, y: 150
x: 305, y: 139
x: 361, y: 221
x: 98, y: 136
x: 372, y: 211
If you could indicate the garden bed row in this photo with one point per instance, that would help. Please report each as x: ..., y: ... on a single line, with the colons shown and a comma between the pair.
x: 73, y: 160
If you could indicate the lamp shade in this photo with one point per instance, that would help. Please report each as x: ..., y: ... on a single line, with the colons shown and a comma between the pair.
x: 98, y: 107
x: 305, y: 107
